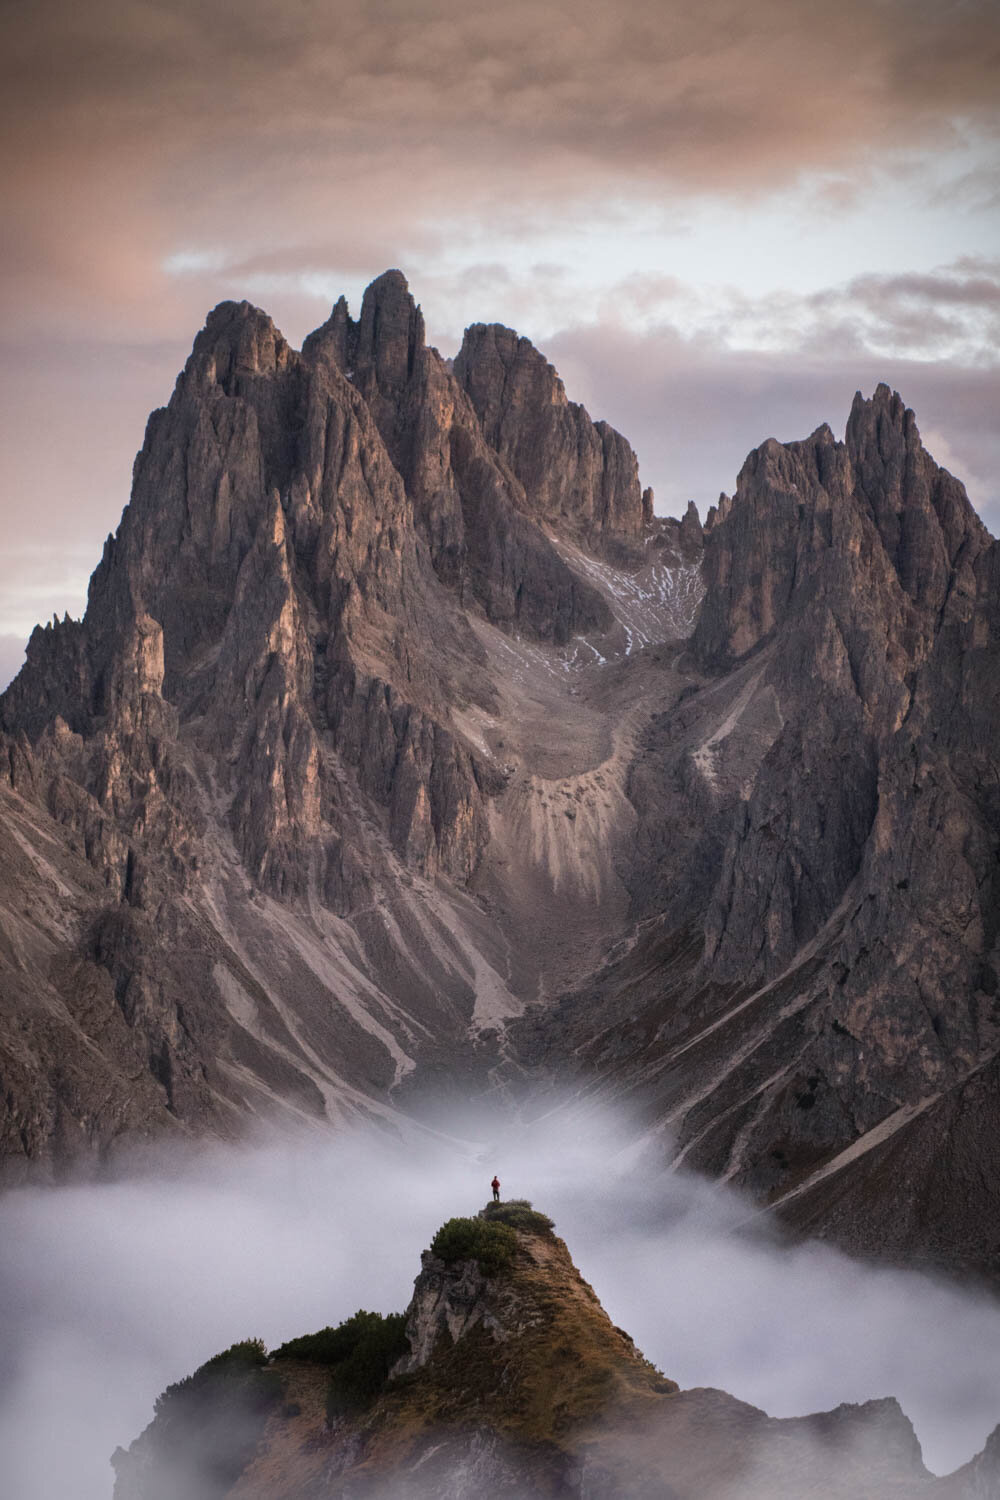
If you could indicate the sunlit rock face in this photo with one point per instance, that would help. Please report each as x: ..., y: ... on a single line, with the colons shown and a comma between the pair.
x: 474, y: 513
x: 516, y: 1382
x: 403, y: 752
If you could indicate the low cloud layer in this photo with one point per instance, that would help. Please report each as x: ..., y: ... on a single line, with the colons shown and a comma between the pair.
x: 109, y: 1292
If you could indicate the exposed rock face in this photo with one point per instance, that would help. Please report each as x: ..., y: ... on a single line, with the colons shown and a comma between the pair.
x: 520, y: 1384
x: 577, y: 475
x: 393, y: 749
x: 270, y: 724
x: 471, y: 510
x: 842, y: 851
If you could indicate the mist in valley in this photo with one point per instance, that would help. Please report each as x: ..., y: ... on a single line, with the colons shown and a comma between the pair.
x: 111, y: 1291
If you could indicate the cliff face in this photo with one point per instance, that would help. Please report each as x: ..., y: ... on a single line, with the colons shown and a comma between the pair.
x: 838, y: 1001
x: 472, y: 507
x: 580, y: 476
x: 257, y: 628
x: 518, y: 1382
x: 266, y: 740
x: 400, y: 745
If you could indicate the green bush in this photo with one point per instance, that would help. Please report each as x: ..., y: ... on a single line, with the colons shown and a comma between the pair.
x: 359, y: 1378
x: 330, y: 1346
x: 491, y: 1245
x: 360, y: 1352
x: 208, y: 1425
x: 239, y: 1366
x: 518, y: 1214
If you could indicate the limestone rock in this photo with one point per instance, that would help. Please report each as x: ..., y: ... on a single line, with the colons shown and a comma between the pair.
x: 469, y: 505
x: 577, y: 475
x: 518, y: 1383
x: 401, y: 748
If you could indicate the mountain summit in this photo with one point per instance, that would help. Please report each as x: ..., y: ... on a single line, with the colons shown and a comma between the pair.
x: 403, y: 752
x: 505, y: 1376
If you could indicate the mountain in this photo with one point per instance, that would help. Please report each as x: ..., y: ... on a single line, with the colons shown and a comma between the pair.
x: 506, y: 1376
x: 403, y: 755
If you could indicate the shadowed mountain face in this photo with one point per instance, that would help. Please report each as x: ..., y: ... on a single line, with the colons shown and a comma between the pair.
x: 401, y: 750
x: 506, y: 1379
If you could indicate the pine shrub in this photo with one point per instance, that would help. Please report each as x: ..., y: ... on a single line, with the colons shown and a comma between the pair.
x: 518, y: 1214
x: 491, y: 1245
x: 209, y: 1424
x: 360, y: 1352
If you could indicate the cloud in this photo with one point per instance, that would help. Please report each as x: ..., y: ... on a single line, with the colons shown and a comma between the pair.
x: 136, y: 131
x: 144, y: 1278
x: 696, y: 382
x: 664, y: 88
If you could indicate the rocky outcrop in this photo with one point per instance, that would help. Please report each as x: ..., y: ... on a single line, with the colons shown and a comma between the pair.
x: 470, y: 507
x: 519, y: 1383
x: 394, y: 715
x: 579, y: 476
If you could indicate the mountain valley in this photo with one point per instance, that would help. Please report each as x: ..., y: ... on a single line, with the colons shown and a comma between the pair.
x: 405, y: 755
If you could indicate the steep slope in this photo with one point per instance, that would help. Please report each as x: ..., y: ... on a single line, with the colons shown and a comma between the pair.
x: 403, y: 755
x: 831, y: 1023
x: 278, y: 740
x: 515, y: 1381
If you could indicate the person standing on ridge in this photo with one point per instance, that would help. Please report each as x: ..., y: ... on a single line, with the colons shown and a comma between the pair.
x: 495, y: 1185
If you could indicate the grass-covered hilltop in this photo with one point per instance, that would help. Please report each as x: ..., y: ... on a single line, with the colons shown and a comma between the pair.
x: 504, y: 1376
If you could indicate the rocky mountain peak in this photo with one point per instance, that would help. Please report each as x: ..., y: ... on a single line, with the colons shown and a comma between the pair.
x: 516, y: 1381
x: 390, y: 335
x: 876, y: 504
x: 380, y: 351
x: 335, y: 341
x: 577, y: 475
x: 493, y: 357
x: 923, y: 516
x: 238, y: 340
x: 692, y: 533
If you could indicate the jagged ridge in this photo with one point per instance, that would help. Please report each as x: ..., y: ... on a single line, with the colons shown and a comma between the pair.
x: 380, y: 731
x: 519, y: 1382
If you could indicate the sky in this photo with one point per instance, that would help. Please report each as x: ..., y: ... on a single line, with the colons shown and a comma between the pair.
x: 718, y: 221
x: 144, y: 1278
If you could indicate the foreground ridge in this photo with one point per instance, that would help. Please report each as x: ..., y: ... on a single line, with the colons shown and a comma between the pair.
x: 507, y: 1373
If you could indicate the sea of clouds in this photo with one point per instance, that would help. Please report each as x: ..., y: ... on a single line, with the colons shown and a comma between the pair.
x: 109, y: 1291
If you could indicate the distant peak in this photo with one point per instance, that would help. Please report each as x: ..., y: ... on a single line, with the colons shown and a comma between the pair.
x: 874, y: 417
x: 389, y: 280
x: 390, y: 330
x: 239, y: 339
x: 230, y: 315
x: 883, y: 398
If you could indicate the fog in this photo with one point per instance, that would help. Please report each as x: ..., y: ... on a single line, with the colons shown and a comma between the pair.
x: 110, y: 1291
